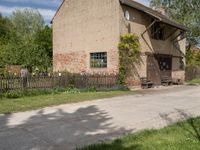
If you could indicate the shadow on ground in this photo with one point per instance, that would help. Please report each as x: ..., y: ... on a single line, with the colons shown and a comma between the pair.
x: 59, y: 130
x: 115, y: 145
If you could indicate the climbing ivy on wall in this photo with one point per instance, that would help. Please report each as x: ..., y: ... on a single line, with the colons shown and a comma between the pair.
x: 129, y: 54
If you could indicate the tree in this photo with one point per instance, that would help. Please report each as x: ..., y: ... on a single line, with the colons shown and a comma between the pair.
x: 43, y: 38
x: 186, y: 12
x: 27, y: 22
x: 5, y: 29
x: 30, y: 42
x: 5, y: 35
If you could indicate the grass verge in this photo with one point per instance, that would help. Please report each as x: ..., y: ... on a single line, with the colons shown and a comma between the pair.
x: 194, y: 82
x: 34, y: 102
x: 181, y: 136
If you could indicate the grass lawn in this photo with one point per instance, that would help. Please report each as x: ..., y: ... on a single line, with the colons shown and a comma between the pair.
x: 194, y: 82
x: 35, y: 102
x: 180, y: 136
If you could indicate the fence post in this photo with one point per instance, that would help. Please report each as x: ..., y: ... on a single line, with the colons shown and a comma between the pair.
x: 1, y: 87
x: 24, y: 82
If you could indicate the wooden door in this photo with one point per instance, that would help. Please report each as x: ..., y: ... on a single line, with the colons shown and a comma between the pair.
x: 159, y: 66
x: 153, y: 70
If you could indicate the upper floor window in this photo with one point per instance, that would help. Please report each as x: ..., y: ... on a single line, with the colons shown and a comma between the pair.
x: 157, y: 31
x: 98, y: 60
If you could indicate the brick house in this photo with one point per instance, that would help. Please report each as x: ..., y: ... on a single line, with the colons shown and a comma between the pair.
x: 86, y: 34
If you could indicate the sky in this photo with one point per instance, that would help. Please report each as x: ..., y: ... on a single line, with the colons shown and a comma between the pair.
x: 47, y: 8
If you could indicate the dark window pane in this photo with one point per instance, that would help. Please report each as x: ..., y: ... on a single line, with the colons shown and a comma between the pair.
x: 157, y: 31
x: 98, y: 60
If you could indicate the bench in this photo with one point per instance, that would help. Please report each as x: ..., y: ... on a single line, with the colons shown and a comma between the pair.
x: 145, y: 83
x: 177, y: 81
x: 165, y: 80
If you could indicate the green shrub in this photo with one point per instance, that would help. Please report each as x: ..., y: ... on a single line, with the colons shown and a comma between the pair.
x: 129, y: 55
x: 73, y: 90
x: 58, y: 90
x: 13, y: 94
x: 35, y: 92
x: 92, y: 89
x: 194, y: 82
x: 18, y: 93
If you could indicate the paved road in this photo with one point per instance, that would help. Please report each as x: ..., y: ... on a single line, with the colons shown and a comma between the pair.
x: 66, y: 127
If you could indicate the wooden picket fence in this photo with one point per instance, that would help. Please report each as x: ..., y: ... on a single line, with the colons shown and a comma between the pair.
x: 50, y: 82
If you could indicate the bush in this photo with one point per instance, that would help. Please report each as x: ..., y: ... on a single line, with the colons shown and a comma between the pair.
x: 92, y: 89
x: 35, y: 92
x: 73, y: 90
x: 13, y: 94
x: 129, y: 55
x: 19, y: 94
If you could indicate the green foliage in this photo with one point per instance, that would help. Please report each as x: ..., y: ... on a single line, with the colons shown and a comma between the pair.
x: 5, y: 29
x: 41, y: 101
x: 184, y: 12
x: 129, y: 54
x: 13, y: 94
x: 187, y: 13
x: 122, y: 75
x: 33, y: 92
x: 28, y: 42
x: 193, y: 59
x: 194, y: 82
x: 19, y: 93
x: 44, y: 39
x: 27, y: 22
x: 91, y: 89
x: 73, y: 90
x: 179, y: 136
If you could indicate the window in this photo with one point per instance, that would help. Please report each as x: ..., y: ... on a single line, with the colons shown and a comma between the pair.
x: 98, y: 60
x: 127, y: 15
x: 165, y: 63
x: 157, y: 31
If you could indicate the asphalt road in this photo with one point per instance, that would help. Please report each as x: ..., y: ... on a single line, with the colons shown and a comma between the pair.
x: 66, y: 127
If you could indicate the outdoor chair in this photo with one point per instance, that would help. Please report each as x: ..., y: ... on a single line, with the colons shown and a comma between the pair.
x: 145, y: 83
x: 165, y: 80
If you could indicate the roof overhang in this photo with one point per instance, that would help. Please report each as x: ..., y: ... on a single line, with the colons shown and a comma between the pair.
x: 153, y: 13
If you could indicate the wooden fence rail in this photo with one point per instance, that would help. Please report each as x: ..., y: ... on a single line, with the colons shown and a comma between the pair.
x: 46, y: 82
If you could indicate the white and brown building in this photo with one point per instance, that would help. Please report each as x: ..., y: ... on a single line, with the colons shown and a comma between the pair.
x: 86, y: 34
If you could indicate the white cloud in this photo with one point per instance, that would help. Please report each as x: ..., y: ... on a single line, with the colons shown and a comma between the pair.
x: 144, y: 2
x: 46, y: 13
x: 40, y: 2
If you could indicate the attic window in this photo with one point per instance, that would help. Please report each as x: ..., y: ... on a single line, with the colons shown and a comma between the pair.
x: 157, y: 31
x: 127, y: 15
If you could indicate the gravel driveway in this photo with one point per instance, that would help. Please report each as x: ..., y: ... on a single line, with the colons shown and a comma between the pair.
x: 69, y: 126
